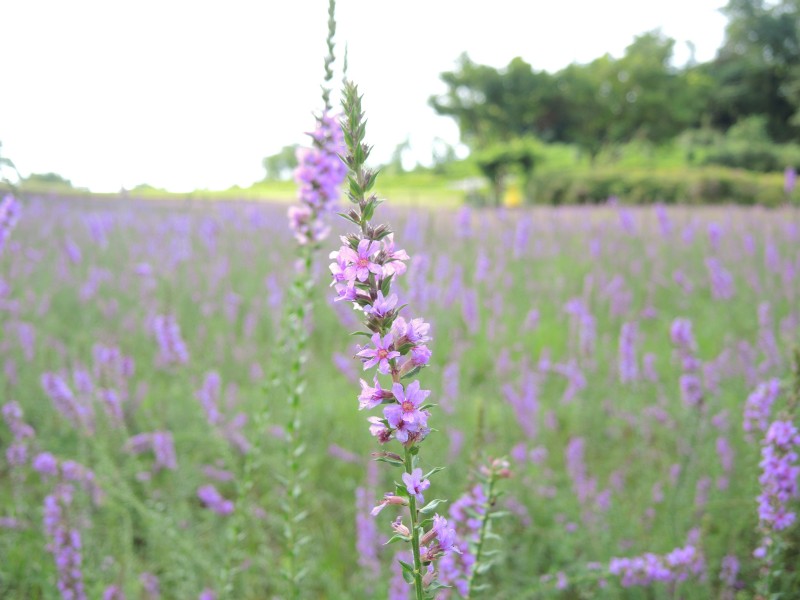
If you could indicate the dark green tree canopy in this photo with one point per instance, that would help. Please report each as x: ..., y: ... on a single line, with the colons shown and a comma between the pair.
x: 608, y: 100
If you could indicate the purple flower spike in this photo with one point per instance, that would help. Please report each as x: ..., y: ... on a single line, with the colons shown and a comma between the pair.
x: 381, y: 355
x: 415, y: 484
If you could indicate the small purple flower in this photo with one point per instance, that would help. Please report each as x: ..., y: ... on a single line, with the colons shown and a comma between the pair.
x: 46, y: 464
x: 407, y: 408
x: 445, y: 535
x: 403, y: 429
x: 381, y: 306
x: 417, y: 331
x: 337, y: 268
x: 371, y: 397
x: 378, y: 429
x: 346, y: 292
x: 381, y: 355
x: 394, y: 258
x: 359, y: 264
x: 387, y: 500
x: 420, y: 355
x: 415, y: 484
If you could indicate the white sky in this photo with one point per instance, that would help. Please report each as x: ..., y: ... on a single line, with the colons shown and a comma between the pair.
x: 186, y: 95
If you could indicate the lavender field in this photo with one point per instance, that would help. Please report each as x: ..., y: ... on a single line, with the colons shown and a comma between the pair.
x: 625, y: 361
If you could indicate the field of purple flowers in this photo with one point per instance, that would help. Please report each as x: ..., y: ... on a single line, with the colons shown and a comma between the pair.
x: 629, y: 363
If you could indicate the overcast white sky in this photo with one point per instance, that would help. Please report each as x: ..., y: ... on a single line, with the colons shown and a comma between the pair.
x: 186, y: 95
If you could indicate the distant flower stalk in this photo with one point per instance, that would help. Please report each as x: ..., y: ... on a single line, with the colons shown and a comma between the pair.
x: 319, y: 174
x: 172, y: 348
x: 789, y: 180
x: 9, y: 215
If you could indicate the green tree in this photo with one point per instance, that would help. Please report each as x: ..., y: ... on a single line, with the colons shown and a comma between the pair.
x: 47, y: 180
x: 494, y: 105
x: 607, y: 101
x: 280, y: 166
x: 757, y: 71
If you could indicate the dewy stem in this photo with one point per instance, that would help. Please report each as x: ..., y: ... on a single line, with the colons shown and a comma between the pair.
x: 412, y: 505
x: 482, y: 536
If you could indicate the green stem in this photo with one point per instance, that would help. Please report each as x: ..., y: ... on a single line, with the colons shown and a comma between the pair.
x: 414, y: 533
x: 482, y: 536
x: 298, y: 338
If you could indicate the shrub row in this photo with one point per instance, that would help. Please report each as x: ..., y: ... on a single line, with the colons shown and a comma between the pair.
x: 706, y: 185
x: 764, y: 157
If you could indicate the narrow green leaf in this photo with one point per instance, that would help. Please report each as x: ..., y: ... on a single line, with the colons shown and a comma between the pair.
x: 433, y: 472
x: 397, y: 538
x: 431, y: 506
x: 408, y: 571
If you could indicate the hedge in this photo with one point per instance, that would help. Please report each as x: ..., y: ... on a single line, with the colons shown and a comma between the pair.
x: 703, y: 185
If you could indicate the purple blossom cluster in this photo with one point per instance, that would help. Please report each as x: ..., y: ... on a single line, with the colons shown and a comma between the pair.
x: 467, y: 513
x: 722, y: 284
x: 172, y: 348
x: 214, y: 501
x: 779, y: 476
x: 112, y: 371
x: 362, y: 267
x: 76, y: 408
x: 644, y: 570
x: 64, y: 538
x: 319, y: 175
x: 9, y: 215
x: 64, y: 542
x: 160, y: 443
x: 17, y: 451
x: 691, y: 382
x: 758, y: 406
x: 68, y: 471
x: 231, y: 428
x: 628, y: 363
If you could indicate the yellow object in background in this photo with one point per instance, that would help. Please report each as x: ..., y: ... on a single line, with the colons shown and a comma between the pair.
x: 512, y: 196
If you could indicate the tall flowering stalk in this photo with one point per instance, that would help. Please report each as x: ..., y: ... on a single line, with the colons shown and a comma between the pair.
x: 365, y: 267
x: 320, y: 172
x: 319, y: 175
